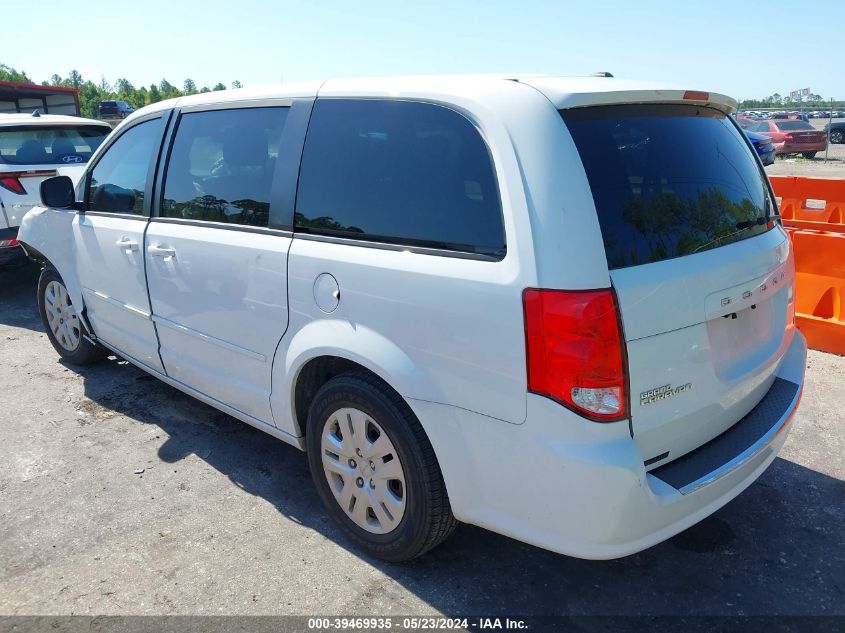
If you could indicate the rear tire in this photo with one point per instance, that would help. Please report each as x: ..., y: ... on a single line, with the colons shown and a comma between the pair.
x: 809, y: 154
x: 62, y: 323
x: 837, y: 136
x: 386, y: 493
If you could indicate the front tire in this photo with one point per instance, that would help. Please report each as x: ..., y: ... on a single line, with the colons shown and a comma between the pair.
x: 375, y: 469
x: 808, y: 154
x: 837, y: 136
x: 62, y: 323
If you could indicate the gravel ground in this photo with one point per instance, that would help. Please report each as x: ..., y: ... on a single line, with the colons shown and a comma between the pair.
x: 121, y: 495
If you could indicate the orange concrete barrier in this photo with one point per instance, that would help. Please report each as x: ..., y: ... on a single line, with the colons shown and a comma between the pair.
x: 813, y: 211
x: 811, y: 203
x: 820, y: 288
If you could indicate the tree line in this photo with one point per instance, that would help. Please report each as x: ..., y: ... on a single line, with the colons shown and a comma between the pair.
x: 810, y: 102
x: 91, y: 93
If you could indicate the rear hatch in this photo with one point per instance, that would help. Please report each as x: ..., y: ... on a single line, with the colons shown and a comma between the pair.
x: 29, y: 154
x: 701, y: 267
x: 801, y: 133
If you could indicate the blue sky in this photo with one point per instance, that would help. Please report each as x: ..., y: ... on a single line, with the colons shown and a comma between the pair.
x: 738, y: 48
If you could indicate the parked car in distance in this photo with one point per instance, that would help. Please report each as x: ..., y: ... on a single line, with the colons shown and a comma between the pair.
x: 792, y: 136
x: 836, y: 132
x: 34, y: 147
x: 764, y: 146
x: 115, y: 109
x: 515, y: 302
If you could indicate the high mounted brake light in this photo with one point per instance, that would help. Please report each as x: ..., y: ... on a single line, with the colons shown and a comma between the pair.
x: 696, y: 95
x: 575, y: 351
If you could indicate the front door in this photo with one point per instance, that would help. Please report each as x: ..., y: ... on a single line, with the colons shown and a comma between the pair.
x: 109, y: 238
x: 217, y: 260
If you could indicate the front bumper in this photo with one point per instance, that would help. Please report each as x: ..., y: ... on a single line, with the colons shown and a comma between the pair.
x: 768, y: 157
x: 580, y: 488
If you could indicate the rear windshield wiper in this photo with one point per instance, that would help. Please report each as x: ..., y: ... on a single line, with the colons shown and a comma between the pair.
x: 741, y: 226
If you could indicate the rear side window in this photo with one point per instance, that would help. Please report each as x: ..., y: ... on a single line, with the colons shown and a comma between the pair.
x: 399, y: 172
x: 221, y: 165
x: 668, y: 180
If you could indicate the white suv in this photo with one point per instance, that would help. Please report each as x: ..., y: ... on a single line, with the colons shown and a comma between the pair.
x: 560, y: 309
x: 34, y: 147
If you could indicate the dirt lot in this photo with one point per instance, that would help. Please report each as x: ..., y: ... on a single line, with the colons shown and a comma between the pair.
x: 120, y: 495
x: 815, y: 167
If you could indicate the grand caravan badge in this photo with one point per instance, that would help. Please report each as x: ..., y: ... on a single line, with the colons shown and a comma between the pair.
x: 662, y: 393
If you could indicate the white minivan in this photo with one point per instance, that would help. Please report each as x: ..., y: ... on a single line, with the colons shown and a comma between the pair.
x: 560, y: 309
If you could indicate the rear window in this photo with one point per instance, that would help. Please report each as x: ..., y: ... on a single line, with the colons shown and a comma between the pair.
x: 794, y: 125
x: 668, y: 180
x: 45, y: 145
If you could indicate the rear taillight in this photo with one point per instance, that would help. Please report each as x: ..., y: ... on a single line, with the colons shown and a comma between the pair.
x: 12, y: 183
x: 7, y: 243
x: 575, y: 351
x: 788, y: 138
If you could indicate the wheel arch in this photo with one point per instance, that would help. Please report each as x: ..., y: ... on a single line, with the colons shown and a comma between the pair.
x: 47, y: 237
x: 323, y: 349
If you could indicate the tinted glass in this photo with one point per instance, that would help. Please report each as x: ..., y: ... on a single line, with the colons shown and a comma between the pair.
x: 221, y: 165
x: 668, y: 181
x: 401, y: 172
x: 45, y: 145
x: 119, y: 178
x: 794, y: 125
x: 762, y: 126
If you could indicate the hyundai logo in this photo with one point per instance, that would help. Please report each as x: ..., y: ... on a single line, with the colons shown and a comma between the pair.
x: 72, y: 158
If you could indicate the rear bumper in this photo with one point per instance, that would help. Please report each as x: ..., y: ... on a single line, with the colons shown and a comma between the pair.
x: 797, y: 148
x: 580, y: 488
x: 9, y: 254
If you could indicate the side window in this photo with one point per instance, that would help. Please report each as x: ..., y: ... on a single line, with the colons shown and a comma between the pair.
x: 760, y: 126
x: 119, y: 178
x: 221, y: 165
x: 399, y: 172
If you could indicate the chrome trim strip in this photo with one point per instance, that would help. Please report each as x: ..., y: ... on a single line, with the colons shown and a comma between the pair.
x: 749, y: 453
x: 208, y: 224
x: 390, y: 246
x: 122, y: 216
x: 118, y: 304
x: 182, y: 329
x: 211, y: 104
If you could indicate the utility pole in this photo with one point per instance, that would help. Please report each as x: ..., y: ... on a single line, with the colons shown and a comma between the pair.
x: 829, y: 128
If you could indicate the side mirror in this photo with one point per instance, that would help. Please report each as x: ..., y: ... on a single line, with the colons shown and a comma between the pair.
x: 58, y: 193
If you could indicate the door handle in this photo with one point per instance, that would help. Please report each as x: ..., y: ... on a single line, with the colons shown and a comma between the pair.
x: 159, y: 251
x: 129, y: 245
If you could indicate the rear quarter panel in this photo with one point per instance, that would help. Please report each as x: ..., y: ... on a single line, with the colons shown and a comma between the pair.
x: 450, y: 330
